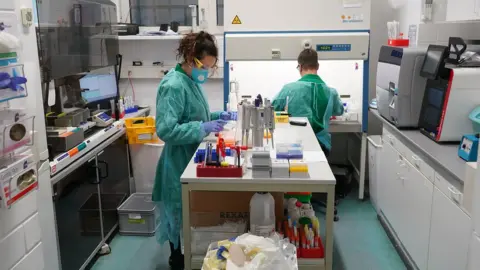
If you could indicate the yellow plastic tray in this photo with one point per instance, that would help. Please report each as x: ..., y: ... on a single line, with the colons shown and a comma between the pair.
x: 281, y: 118
x: 141, y: 130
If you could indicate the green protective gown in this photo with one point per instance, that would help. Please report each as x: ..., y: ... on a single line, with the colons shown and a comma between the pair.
x: 181, y: 109
x: 310, y: 97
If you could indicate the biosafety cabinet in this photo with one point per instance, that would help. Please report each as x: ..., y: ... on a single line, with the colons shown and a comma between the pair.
x: 400, y: 88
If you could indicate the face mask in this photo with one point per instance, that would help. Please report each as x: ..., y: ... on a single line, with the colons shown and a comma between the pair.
x: 199, y: 75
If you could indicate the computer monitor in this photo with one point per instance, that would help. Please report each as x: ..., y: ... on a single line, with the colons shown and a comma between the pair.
x: 434, y: 61
x: 97, y: 87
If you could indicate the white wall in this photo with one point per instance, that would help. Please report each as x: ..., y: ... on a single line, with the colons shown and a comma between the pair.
x: 146, y: 92
x: 411, y: 13
x: 21, y: 245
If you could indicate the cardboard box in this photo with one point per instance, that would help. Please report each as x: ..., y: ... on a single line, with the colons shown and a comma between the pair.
x: 211, y: 208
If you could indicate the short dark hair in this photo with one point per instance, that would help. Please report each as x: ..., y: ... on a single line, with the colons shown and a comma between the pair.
x: 308, y: 59
x: 197, y: 45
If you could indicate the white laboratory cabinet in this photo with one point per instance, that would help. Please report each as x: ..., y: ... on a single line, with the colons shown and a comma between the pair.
x: 474, y: 253
x: 375, y: 163
x: 450, y: 231
x: 463, y: 10
x: 424, y: 209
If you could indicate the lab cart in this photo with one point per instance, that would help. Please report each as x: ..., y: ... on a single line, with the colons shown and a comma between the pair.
x: 321, y: 180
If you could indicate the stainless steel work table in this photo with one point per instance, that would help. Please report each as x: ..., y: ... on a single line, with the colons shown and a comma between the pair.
x: 321, y: 180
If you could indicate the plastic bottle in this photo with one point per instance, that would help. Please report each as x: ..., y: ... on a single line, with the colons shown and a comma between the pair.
x: 262, y: 214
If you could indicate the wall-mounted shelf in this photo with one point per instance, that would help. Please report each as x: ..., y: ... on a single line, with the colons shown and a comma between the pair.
x: 153, y: 72
x: 137, y: 37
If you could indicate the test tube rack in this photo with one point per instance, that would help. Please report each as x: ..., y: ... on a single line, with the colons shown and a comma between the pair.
x: 316, y: 252
x: 219, y: 172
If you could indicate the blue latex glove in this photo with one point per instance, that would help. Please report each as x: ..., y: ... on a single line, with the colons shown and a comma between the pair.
x: 213, y: 126
x: 228, y: 116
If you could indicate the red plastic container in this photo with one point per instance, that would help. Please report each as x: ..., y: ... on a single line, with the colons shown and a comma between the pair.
x: 399, y: 42
x: 312, y: 253
x: 214, y: 172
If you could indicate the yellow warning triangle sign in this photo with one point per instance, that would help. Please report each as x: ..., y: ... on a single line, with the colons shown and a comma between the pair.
x: 236, y: 20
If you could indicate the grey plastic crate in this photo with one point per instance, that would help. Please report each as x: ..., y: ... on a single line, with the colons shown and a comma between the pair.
x: 138, y: 215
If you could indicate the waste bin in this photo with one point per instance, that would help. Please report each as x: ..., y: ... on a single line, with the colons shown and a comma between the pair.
x: 144, y: 158
x: 374, y: 164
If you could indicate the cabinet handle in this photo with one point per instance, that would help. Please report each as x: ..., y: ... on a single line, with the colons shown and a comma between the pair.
x: 392, y: 139
x: 417, y: 160
x: 101, y: 175
x: 454, y: 194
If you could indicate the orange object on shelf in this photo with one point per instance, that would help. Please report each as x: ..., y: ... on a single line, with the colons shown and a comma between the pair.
x: 399, y: 42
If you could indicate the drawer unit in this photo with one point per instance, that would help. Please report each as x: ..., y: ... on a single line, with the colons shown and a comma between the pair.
x: 448, y: 189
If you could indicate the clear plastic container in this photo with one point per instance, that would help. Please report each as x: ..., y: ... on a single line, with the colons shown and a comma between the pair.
x: 262, y: 214
x: 12, y: 85
x: 16, y: 134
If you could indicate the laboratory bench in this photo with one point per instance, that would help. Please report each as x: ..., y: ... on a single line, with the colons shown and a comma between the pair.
x: 321, y: 180
x: 421, y: 198
x: 87, y: 192
x: 442, y: 157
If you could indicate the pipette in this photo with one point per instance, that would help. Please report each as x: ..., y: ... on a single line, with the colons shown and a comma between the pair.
x: 269, y: 119
x: 246, y: 118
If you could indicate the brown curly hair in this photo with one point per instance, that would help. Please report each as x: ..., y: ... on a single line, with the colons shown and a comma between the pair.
x: 197, y: 45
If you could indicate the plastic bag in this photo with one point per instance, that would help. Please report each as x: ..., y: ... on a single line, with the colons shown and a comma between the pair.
x: 8, y: 42
x: 260, y: 254
x: 397, y: 3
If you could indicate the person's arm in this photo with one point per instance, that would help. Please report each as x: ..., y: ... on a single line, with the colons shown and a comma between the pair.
x: 170, y: 106
x: 337, y: 103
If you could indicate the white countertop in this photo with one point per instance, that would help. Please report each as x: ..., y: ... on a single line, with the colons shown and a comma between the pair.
x: 320, y: 172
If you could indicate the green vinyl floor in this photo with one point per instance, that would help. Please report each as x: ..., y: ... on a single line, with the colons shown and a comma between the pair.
x: 360, y: 244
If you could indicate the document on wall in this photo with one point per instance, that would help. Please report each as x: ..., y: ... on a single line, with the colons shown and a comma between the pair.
x: 352, y: 3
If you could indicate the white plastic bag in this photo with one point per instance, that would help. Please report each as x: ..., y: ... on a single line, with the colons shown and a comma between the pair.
x: 262, y: 253
x: 8, y: 42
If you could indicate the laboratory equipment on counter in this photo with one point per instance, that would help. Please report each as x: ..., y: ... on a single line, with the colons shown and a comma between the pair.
x: 262, y: 214
x: 451, y: 94
x: 400, y: 88
x: 102, y: 119
x: 73, y: 118
x: 468, y: 148
x: 64, y: 140
x: 258, y: 118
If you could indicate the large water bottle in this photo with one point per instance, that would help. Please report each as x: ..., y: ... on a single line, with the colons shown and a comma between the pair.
x: 262, y: 214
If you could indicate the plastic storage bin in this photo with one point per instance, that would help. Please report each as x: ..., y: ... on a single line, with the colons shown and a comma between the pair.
x: 90, y: 213
x: 138, y: 215
x: 141, y: 130
x: 374, y: 164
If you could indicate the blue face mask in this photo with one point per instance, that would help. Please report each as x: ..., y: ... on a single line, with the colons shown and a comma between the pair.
x: 199, y: 75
